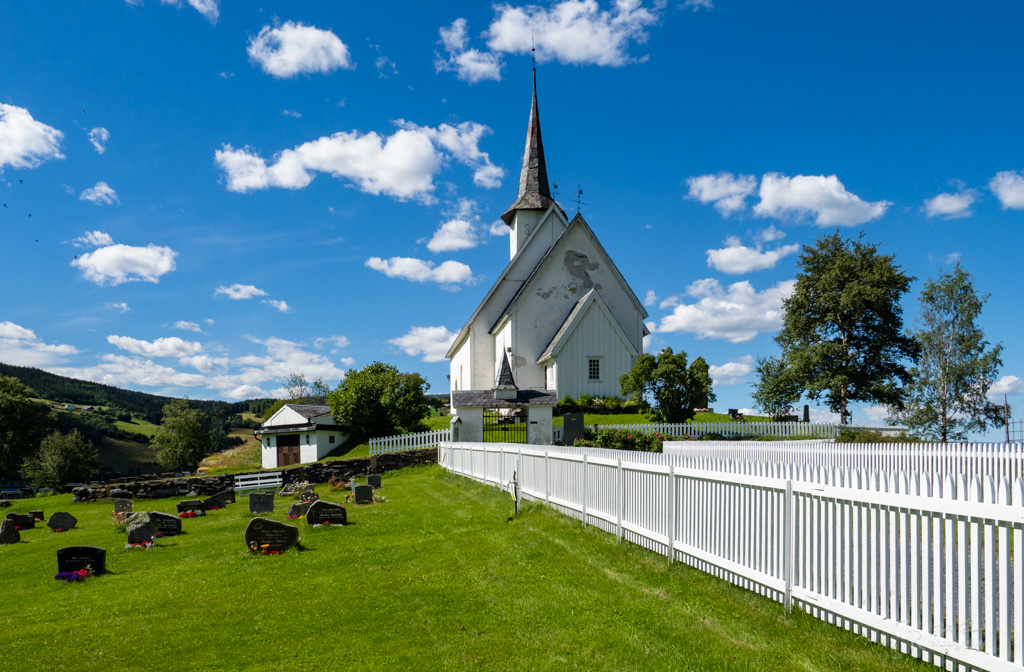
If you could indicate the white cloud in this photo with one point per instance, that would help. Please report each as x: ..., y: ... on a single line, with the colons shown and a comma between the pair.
x: 823, y: 197
x: 727, y: 191
x: 98, y: 137
x: 122, y: 263
x: 875, y: 415
x: 239, y: 291
x: 162, y: 347
x: 294, y: 48
x: 124, y: 371
x: 278, y: 305
x: 417, y: 270
x: 737, y: 314
x: 734, y: 372
x: 21, y: 347
x: 336, y: 343
x: 348, y: 361
x: 651, y: 298
x: 469, y: 65
x: 295, y: 114
x: 402, y: 165
x: 573, y: 32
x: 818, y: 415
x: 499, y: 228
x: 101, y: 194
x: 951, y: 206
x: 455, y: 234
x: 1007, y: 185
x: 121, y: 307
x: 737, y: 259
x: 431, y: 342
x: 188, y: 326
x: 697, y: 5
x: 25, y: 142
x: 210, y: 9
x: 93, y: 239
x: 770, y: 234
x: 1008, y: 385
x: 669, y: 302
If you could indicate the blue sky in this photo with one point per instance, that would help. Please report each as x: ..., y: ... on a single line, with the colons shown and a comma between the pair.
x: 223, y: 193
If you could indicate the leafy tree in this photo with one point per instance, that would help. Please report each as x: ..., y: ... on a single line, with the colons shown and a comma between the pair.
x: 947, y: 395
x: 301, y: 391
x: 62, y: 458
x: 22, y: 423
x: 184, y: 437
x: 378, y: 400
x: 775, y: 392
x: 842, y: 334
x: 675, y: 388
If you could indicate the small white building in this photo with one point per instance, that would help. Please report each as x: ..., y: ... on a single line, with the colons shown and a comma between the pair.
x: 298, y: 434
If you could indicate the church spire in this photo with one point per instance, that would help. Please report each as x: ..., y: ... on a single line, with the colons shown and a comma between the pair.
x: 534, y: 193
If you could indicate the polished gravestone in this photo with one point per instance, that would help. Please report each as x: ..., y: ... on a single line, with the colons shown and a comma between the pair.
x: 73, y: 558
x: 22, y: 521
x: 165, y: 523
x: 9, y: 533
x: 219, y: 501
x: 141, y: 528
x: 38, y: 515
x: 373, y: 480
x: 62, y: 520
x: 308, y: 497
x: 298, y: 509
x: 264, y: 535
x: 326, y: 513
x: 261, y: 502
x: 364, y: 494
x: 190, y: 505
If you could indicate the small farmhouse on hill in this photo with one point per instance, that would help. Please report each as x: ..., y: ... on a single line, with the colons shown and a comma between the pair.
x: 298, y: 434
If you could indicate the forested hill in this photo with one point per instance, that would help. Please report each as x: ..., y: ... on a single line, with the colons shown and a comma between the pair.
x: 149, y: 406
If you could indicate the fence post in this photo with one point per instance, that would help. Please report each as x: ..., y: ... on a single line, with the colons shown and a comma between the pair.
x: 618, y: 501
x: 584, y: 489
x: 547, y: 478
x: 671, y: 513
x: 787, y: 551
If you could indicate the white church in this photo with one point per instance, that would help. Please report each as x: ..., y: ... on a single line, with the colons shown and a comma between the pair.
x: 560, y: 313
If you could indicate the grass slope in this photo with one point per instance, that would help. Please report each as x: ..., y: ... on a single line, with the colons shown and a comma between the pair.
x: 438, y: 577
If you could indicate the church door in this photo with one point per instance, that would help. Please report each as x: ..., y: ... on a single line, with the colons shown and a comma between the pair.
x: 287, y: 449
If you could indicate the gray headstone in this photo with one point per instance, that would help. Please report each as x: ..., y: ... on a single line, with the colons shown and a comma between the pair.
x: 261, y: 502
x: 141, y: 528
x: 166, y: 523
x: 373, y: 480
x: 572, y: 427
x: 77, y: 557
x: 8, y: 533
x: 322, y: 512
x: 298, y: 509
x: 364, y: 494
x: 263, y: 534
x: 4, y: 503
x: 190, y: 505
x: 219, y: 501
x: 122, y: 506
x: 62, y: 521
x: 309, y: 497
x: 38, y: 515
x: 22, y: 520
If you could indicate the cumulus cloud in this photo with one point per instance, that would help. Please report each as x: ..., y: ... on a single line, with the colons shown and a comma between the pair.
x: 125, y: 371
x: 499, y: 228
x: 277, y: 304
x: 336, y: 343
x: 823, y: 197
x: 1007, y: 185
x: 951, y: 206
x: 736, y: 314
x: 121, y: 307
x: 417, y: 270
x: 239, y: 291
x: 101, y: 194
x: 293, y: 48
x: 118, y: 263
x: 295, y: 114
x: 736, y: 258
x: 459, y: 232
x: 402, y: 165
x: 21, y: 347
x: 728, y: 192
x: 162, y: 347
x: 734, y: 372
x: 650, y: 298
x: 1008, y: 385
x: 431, y: 342
x: 98, y: 137
x: 188, y: 326
x: 25, y: 142
x: 469, y: 65
x: 93, y: 239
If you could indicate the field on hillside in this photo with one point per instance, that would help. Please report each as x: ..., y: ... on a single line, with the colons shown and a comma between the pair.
x: 440, y: 576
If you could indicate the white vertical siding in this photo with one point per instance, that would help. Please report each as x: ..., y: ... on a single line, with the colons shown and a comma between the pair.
x: 593, y: 337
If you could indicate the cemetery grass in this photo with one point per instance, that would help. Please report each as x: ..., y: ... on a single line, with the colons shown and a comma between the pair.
x: 440, y: 576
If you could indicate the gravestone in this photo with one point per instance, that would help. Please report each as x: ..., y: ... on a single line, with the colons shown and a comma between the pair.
x: 122, y: 506
x: 323, y: 512
x: 373, y: 480
x: 190, y: 505
x: 38, y: 515
x: 62, y: 521
x: 141, y: 528
x: 73, y: 558
x: 308, y: 497
x: 261, y: 502
x: 219, y: 501
x: 263, y: 534
x: 22, y: 520
x: 572, y: 428
x: 298, y: 509
x: 166, y: 523
x: 8, y: 533
x: 364, y: 494
x: 4, y: 503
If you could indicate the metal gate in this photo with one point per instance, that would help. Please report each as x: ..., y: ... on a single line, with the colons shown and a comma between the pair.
x: 505, y: 425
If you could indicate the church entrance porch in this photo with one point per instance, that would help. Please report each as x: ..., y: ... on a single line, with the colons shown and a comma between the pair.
x: 505, y: 425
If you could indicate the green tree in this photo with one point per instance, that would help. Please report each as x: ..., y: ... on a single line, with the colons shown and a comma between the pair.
x: 184, y: 437
x: 301, y: 391
x: 947, y: 394
x: 22, y: 423
x: 62, y: 458
x: 775, y: 391
x: 842, y: 334
x: 378, y: 400
x: 674, y: 388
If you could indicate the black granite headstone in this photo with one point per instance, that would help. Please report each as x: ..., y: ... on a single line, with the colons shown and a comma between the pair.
x: 265, y: 535
x: 190, y: 505
x: 141, y: 528
x: 78, y: 557
x: 298, y: 509
x: 165, y: 523
x: 572, y: 428
x: 62, y: 521
x: 323, y: 512
x: 261, y: 502
x: 122, y: 506
x: 38, y: 515
x: 373, y: 480
x: 309, y: 497
x: 8, y: 533
x: 22, y: 520
x: 218, y: 501
x: 364, y: 494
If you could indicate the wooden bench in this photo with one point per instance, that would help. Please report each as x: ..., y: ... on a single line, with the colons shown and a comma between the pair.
x: 267, y: 480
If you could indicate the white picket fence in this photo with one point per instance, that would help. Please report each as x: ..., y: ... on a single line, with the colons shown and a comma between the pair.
x: 402, y: 442
x: 927, y: 564
x: 806, y: 429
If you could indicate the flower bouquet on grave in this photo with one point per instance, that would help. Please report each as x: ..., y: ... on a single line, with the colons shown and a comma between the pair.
x: 213, y: 508
x: 59, y: 529
x: 300, y: 517
x: 141, y: 544
x: 76, y: 575
x: 263, y: 548
x: 191, y: 514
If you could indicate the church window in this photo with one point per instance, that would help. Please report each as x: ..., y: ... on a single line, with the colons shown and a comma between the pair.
x: 594, y: 369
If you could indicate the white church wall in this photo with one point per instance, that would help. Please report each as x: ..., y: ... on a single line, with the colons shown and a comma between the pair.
x: 462, y: 366
x: 594, y: 337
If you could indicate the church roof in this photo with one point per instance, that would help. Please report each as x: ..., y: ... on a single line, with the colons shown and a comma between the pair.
x: 534, y: 193
x: 485, y: 399
x: 505, y: 378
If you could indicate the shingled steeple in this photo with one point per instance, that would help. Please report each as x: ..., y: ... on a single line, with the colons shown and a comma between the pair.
x: 534, y: 193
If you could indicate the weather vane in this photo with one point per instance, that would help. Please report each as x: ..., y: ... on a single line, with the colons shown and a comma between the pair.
x: 579, y: 198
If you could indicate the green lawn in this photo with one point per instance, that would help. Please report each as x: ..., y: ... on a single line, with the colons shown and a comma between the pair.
x: 438, y: 577
x: 641, y: 419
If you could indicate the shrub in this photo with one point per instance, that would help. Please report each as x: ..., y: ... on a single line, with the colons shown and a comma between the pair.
x: 586, y: 399
x: 622, y: 439
x: 872, y: 436
x: 612, y: 402
x: 567, y: 401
